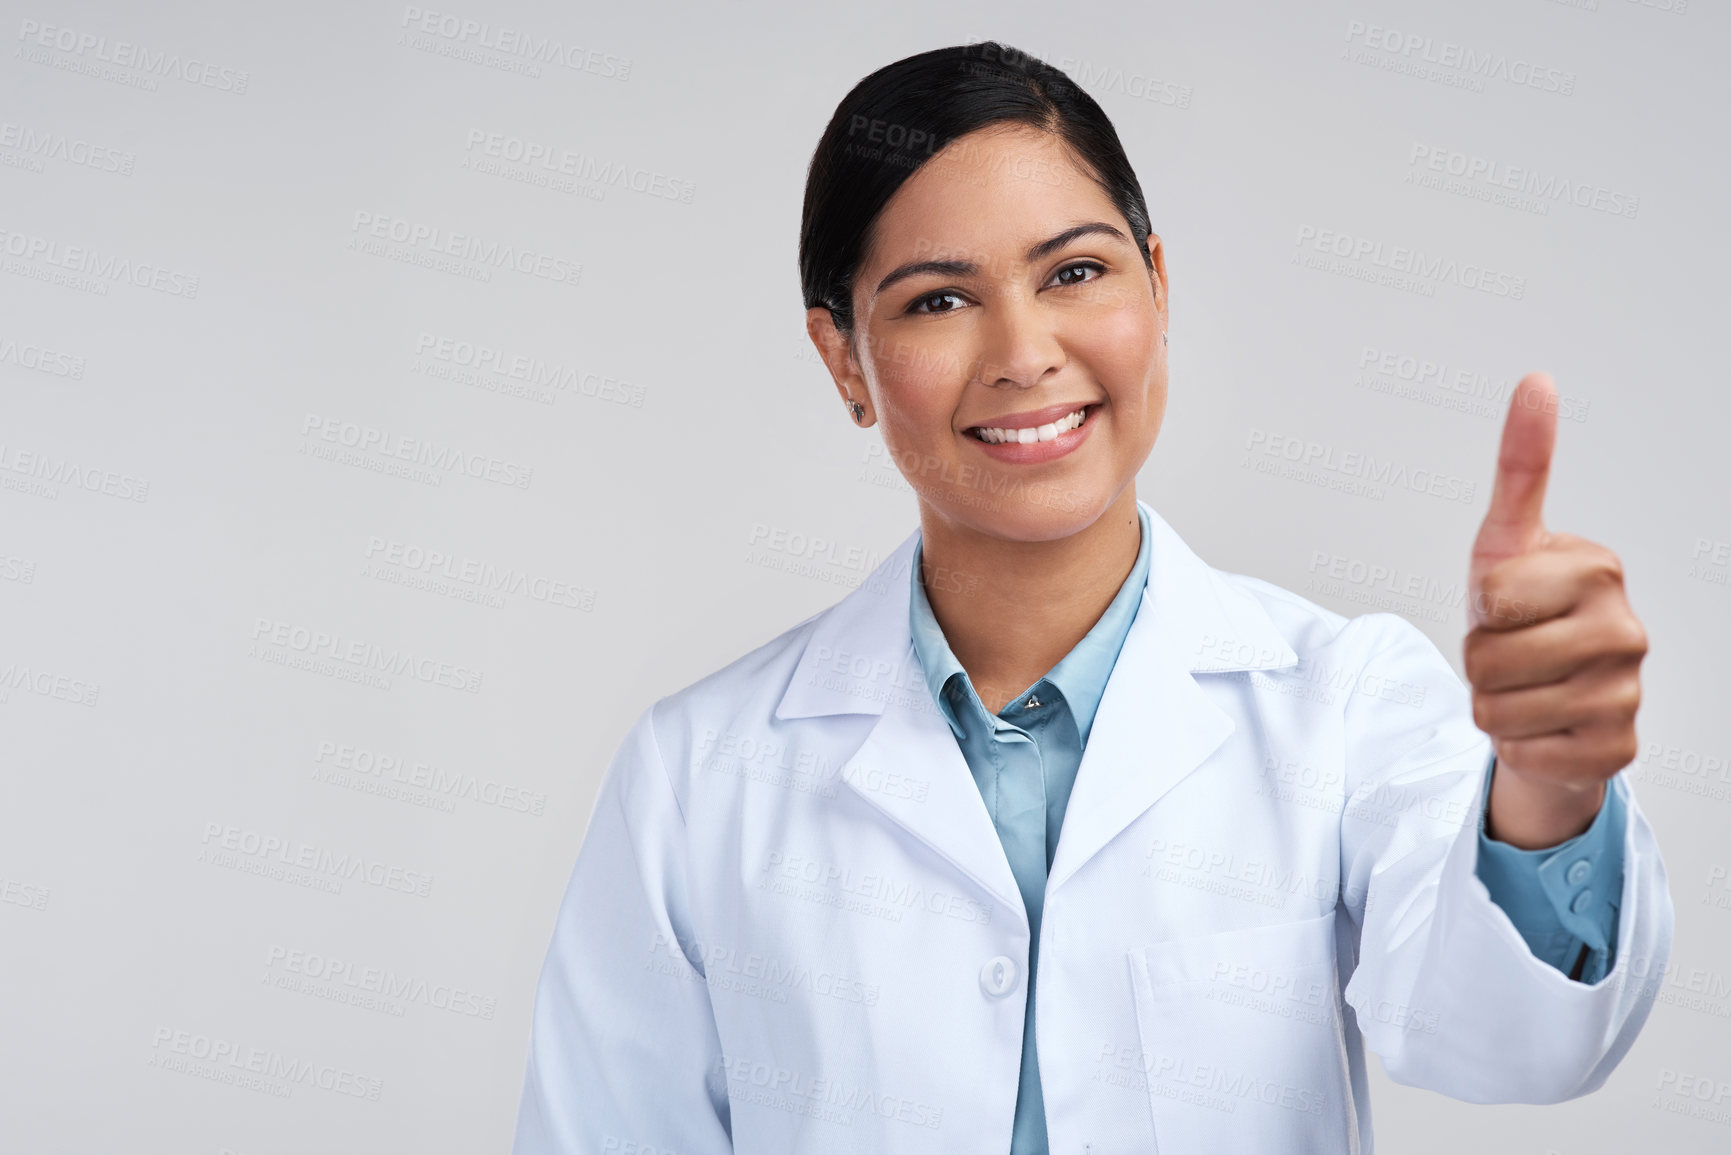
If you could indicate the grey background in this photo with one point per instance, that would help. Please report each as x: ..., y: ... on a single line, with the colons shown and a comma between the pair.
x: 145, y: 718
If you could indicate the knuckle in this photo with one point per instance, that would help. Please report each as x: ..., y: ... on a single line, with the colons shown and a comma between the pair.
x: 1606, y: 567
x: 1635, y: 636
x: 1473, y: 660
x: 1617, y: 635
x: 1486, y: 659
x: 1629, y: 696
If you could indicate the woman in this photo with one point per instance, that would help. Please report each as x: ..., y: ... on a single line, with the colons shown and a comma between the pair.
x: 1050, y: 837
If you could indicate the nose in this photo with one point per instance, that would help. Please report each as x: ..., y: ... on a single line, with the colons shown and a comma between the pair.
x: 1021, y: 346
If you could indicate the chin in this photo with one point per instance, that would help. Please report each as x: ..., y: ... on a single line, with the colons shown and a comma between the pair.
x: 1037, y: 511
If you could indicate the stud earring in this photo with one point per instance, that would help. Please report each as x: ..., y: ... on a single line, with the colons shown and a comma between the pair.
x: 857, y: 409
x: 1164, y: 339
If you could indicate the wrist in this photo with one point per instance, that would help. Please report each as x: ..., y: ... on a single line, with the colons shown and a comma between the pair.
x: 1531, y: 813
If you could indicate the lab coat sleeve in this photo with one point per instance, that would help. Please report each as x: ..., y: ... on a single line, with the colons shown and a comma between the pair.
x: 623, y: 1051
x: 1444, y: 988
x: 1563, y: 898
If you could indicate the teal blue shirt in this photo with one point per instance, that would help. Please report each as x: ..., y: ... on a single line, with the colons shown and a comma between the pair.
x: 1562, y: 899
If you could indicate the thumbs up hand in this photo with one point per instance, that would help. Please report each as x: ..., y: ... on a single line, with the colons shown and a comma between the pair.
x: 1554, y: 650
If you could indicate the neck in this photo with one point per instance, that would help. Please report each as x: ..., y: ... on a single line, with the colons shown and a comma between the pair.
x: 1033, y: 600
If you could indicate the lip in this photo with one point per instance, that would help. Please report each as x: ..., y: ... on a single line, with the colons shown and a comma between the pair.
x: 1038, y: 452
x: 1033, y: 417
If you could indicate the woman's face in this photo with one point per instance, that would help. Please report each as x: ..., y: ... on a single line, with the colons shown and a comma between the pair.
x: 1001, y: 294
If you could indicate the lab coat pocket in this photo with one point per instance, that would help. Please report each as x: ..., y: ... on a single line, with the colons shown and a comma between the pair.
x: 1241, y: 1042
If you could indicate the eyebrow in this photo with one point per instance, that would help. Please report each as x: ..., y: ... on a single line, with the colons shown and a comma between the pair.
x: 967, y: 268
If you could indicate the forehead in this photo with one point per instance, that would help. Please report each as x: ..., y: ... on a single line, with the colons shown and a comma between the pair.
x: 999, y: 188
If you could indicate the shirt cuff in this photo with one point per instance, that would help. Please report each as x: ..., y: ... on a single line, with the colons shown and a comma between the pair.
x: 1562, y: 899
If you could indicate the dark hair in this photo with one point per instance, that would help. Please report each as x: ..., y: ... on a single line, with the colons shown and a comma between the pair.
x: 902, y: 115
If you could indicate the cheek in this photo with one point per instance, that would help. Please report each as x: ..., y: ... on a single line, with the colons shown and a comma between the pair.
x: 916, y: 402
x: 1122, y: 349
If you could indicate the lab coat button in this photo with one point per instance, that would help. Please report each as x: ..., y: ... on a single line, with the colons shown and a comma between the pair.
x: 998, y: 977
x: 1578, y: 872
x: 1582, y: 901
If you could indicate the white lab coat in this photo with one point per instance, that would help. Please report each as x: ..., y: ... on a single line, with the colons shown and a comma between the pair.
x: 791, y: 921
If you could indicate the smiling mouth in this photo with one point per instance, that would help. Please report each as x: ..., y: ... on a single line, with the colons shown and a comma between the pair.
x: 1029, y: 435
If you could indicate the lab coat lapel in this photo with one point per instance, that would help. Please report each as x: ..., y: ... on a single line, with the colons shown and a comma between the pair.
x: 911, y: 768
x: 860, y: 659
x: 1156, y: 724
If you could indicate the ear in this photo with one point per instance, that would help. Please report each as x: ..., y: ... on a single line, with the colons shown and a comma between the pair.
x: 837, y: 353
x: 1157, y: 275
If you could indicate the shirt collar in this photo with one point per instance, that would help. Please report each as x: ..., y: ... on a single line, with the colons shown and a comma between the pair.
x: 1080, y: 675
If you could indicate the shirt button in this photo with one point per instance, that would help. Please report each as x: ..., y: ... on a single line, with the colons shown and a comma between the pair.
x: 1582, y: 901
x: 1578, y: 872
x: 998, y: 977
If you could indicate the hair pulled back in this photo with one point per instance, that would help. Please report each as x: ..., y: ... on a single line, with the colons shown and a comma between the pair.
x: 905, y: 113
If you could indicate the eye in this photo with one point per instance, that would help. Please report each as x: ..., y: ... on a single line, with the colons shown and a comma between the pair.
x: 1069, y: 274
x: 936, y: 301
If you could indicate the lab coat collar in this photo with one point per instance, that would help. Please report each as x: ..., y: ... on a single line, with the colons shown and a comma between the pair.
x: 1154, y: 726
x: 1079, y: 676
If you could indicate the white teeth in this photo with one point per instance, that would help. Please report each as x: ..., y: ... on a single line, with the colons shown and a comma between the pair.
x: 1030, y: 434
